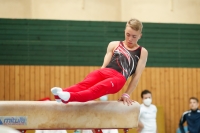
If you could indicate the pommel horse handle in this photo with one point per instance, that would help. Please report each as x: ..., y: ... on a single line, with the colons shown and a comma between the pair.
x: 50, y: 115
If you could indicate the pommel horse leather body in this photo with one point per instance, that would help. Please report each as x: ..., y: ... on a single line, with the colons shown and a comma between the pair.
x: 74, y: 115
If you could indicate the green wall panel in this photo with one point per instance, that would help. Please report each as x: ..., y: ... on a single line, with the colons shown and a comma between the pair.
x: 59, y: 42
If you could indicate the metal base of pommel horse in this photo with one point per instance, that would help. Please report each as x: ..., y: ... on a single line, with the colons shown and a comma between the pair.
x: 50, y: 115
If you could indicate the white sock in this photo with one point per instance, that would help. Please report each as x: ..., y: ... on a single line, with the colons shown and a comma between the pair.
x: 54, y: 90
x: 58, y: 100
x: 64, y: 95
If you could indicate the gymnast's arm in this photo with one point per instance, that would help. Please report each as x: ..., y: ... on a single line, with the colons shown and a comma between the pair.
x: 109, y: 53
x: 136, y: 76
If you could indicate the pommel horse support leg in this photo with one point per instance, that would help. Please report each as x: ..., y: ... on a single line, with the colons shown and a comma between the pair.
x: 50, y: 115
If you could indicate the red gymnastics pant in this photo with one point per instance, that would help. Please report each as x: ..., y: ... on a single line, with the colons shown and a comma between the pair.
x: 98, y: 83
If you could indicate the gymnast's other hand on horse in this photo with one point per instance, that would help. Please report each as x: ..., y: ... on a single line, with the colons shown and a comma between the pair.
x: 126, y: 99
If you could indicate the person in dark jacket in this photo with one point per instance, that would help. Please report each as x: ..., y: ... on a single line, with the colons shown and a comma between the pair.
x: 192, y: 117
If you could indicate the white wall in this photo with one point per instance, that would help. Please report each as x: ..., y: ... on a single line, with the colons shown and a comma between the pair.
x: 163, y: 11
x: 108, y: 10
x: 15, y: 8
x: 77, y: 9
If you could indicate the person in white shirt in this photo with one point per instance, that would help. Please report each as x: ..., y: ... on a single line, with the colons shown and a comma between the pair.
x: 147, y: 117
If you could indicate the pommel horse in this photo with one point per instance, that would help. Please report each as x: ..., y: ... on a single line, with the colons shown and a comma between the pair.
x: 50, y: 115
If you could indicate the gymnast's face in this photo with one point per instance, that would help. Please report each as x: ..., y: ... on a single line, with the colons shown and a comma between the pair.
x: 131, y: 36
x: 193, y: 104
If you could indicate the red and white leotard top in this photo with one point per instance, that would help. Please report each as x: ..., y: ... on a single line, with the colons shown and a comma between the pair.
x: 125, y: 61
